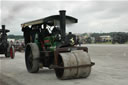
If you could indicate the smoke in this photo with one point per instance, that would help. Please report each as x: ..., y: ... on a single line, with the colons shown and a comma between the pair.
x: 11, y: 12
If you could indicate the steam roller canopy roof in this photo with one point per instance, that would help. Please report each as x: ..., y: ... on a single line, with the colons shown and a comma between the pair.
x: 5, y: 30
x: 49, y: 20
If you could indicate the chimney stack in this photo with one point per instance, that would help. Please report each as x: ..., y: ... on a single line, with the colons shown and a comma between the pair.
x: 63, y: 23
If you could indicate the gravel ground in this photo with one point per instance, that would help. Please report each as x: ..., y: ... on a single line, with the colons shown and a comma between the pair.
x: 111, y: 69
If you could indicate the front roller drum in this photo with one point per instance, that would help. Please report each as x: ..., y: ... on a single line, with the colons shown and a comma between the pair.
x: 76, y: 64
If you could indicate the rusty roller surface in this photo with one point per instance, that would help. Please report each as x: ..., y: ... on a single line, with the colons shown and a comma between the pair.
x: 74, y: 58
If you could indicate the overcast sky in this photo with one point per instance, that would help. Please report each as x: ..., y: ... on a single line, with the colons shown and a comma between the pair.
x: 93, y: 16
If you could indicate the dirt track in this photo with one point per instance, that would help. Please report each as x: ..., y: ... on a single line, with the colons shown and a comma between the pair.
x: 111, y: 69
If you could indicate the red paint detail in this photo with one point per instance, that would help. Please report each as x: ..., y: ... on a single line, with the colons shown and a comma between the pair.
x: 46, y: 41
x: 11, y: 53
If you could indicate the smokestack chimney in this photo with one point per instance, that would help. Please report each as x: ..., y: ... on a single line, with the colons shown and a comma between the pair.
x: 3, y: 26
x: 3, y: 29
x: 62, y: 23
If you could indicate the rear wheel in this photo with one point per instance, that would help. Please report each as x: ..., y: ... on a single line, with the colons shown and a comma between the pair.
x: 12, y: 52
x: 7, y: 54
x: 31, y: 58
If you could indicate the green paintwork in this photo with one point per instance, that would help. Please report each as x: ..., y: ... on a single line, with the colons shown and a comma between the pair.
x: 51, y: 44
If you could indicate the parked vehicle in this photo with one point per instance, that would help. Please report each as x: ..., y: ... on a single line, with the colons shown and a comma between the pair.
x: 5, y: 47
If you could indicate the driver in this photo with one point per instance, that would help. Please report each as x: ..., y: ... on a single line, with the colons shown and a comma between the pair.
x: 55, y: 31
x: 45, y: 31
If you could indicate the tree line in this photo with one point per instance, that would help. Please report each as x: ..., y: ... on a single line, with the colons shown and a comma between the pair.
x: 16, y: 37
x: 117, y: 37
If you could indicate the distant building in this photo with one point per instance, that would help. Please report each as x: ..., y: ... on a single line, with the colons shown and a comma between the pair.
x: 106, y: 38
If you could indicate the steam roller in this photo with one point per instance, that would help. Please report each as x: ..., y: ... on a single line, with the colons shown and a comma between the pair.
x: 55, y: 49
